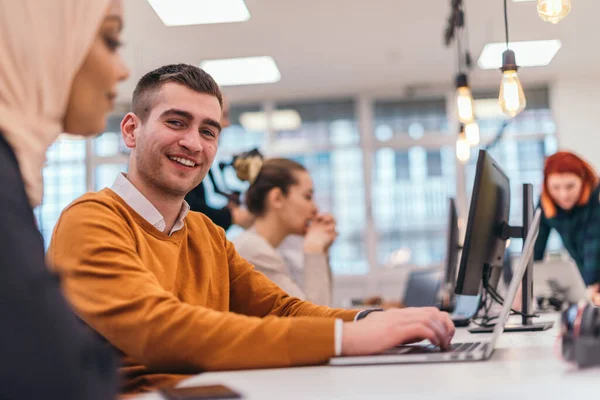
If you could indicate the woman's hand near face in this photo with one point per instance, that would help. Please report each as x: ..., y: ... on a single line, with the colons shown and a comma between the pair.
x: 321, y: 234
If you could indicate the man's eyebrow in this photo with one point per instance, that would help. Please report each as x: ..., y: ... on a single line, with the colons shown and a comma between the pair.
x: 212, y: 122
x: 174, y: 111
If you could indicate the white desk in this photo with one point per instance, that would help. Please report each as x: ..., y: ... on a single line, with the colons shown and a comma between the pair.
x: 524, y: 364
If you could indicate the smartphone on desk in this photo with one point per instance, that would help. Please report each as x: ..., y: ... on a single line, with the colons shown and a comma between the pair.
x: 207, y: 392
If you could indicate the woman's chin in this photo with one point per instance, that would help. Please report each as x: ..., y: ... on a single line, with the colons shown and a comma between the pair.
x: 567, y: 207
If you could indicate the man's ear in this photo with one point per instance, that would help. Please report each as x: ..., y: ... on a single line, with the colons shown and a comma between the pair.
x: 129, y: 129
x: 275, y: 198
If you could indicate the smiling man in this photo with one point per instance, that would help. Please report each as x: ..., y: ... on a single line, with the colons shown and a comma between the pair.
x: 166, y: 288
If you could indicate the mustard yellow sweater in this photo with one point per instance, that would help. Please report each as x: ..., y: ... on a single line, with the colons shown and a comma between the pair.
x: 180, y: 304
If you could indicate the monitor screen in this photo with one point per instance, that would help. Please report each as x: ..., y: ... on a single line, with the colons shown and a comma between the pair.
x: 484, y: 245
x: 452, y: 246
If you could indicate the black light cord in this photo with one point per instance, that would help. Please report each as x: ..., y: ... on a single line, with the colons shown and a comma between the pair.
x: 467, y: 42
x: 486, y: 304
x: 499, y: 135
x: 506, y: 23
x: 498, y: 299
x: 458, y: 51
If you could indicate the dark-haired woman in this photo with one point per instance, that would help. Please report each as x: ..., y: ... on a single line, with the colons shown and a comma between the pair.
x: 281, y: 198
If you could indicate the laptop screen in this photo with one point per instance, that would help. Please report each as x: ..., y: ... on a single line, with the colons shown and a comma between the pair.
x: 517, y: 277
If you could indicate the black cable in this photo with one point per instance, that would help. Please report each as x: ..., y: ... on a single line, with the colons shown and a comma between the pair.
x: 467, y: 41
x: 490, y: 291
x: 506, y: 23
x: 499, y: 135
x: 494, y: 294
x: 458, y: 52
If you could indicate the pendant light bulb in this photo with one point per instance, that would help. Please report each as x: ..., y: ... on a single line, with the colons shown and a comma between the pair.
x: 464, y: 100
x: 463, y: 150
x: 472, y: 134
x: 553, y: 11
x: 511, y: 98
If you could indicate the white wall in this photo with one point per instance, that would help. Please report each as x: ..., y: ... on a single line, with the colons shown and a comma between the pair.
x: 575, y: 106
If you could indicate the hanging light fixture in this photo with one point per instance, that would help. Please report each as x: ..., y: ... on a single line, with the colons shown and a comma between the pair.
x: 463, y: 150
x: 511, y: 97
x: 464, y: 100
x: 553, y: 11
x: 472, y: 133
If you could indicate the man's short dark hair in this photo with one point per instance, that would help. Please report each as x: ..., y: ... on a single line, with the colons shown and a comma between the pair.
x: 187, y: 75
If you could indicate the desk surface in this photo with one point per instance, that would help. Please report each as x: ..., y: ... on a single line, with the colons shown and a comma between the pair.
x: 524, y: 363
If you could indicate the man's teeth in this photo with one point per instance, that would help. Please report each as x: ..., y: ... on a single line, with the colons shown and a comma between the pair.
x: 183, y: 161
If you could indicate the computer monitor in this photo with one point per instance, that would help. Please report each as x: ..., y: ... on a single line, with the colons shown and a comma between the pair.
x: 481, y: 262
x: 452, y: 247
x: 485, y: 243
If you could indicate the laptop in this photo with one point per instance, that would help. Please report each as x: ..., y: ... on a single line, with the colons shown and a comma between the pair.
x: 559, y: 277
x: 472, y: 351
x: 423, y: 288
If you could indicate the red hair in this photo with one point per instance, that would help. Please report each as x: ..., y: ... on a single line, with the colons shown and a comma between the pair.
x: 565, y: 162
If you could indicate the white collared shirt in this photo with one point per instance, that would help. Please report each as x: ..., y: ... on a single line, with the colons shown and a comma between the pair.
x: 141, y: 205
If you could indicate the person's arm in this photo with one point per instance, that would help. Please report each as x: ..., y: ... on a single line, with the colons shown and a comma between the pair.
x: 590, y: 270
x: 119, y: 297
x: 197, y: 201
x: 252, y: 293
x: 541, y: 241
x: 269, y: 263
x: 45, y: 352
x: 317, y: 278
x: 317, y: 273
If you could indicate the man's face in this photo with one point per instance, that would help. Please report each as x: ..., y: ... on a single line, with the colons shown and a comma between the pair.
x: 174, y: 149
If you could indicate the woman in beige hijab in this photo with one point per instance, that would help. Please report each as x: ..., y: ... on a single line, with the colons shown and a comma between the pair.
x: 59, y: 69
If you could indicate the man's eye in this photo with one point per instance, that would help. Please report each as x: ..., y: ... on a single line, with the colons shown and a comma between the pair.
x: 175, y: 123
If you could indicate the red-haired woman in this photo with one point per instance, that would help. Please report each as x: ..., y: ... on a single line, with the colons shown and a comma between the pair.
x: 570, y: 203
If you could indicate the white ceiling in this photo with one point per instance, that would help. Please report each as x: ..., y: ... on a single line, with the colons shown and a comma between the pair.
x: 343, y: 47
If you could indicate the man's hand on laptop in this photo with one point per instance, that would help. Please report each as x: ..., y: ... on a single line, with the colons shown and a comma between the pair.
x: 380, y: 331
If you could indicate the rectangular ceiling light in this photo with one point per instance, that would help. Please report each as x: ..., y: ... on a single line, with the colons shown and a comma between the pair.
x: 281, y: 120
x: 529, y: 54
x: 196, y: 12
x: 242, y: 71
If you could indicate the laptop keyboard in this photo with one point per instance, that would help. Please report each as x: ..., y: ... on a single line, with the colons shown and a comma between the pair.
x: 454, y: 348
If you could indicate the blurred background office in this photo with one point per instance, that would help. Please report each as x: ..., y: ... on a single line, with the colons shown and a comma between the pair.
x: 364, y: 95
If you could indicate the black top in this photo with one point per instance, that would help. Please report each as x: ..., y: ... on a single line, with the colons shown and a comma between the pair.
x: 197, y: 201
x: 45, y: 351
x: 579, y: 230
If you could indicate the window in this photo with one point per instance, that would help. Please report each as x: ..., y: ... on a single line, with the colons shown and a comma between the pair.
x: 411, y: 214
x: 64, y: 180
x: 327, y: 145
x: 402, y: 165
x: 110, y: 156
x: 434, y: 163
x: 409, y: 118
x: 412, y: 184
x: 322, y: 123
x: 65, y: 172
x: 105, y: 175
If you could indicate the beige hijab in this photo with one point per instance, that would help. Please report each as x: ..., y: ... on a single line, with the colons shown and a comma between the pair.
x: 42, y: 46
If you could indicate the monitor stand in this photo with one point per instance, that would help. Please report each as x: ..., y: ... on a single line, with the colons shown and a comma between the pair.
x: 532, y: 327
x: 527, y: 324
